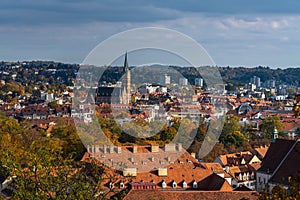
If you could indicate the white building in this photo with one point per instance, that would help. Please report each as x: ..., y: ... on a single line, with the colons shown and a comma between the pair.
x: 199, y: 82
x: 165, y: 79
x: 183, y: 81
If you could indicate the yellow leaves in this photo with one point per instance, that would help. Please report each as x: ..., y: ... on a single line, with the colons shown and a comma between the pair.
x: 5, y: 140
x: 296, y: 108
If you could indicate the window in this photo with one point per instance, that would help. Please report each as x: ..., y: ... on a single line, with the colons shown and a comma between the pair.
x: 122, y: 185
x: 252, y: 175
x: 174, y: 184
x: 240, y: 177
x: 195, y: 185
x: 111, y: 185
x: 184, y: 184
x: 164, y: 185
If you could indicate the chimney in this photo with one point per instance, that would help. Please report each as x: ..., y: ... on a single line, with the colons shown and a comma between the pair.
x: 227, y: 169
x: 154, y: 148
x: 135, y: 149
x: 193, y: 155
x: 111, y: 149
x: 104, y: 149
x: 162, y: 172
x: 97, y: 149
x: 93, y: 149
x: 119, y: 149
x: 88, y: 148
x: 170, y: 147
x: 179, y: 147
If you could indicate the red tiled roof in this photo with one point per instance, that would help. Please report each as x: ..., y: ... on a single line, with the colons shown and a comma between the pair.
x: 236, y: 159
x: 180, y: 171
x: 290, y: 123
x: 215, y: 167
x: 189, y: 195
x: 242, y: 188
x: 186, y: 168
x: 261, y: 151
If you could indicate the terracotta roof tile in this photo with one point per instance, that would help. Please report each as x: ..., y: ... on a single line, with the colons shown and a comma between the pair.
x: 189, y: 195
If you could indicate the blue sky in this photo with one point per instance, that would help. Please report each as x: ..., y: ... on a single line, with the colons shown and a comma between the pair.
x: 234, y: 32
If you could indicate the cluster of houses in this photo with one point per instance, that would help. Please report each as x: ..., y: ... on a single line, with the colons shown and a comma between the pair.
x: 170, y: 172
x: 154, y: 170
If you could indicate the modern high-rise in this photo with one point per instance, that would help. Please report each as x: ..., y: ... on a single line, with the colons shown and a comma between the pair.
x: 165, y: 79
x: 199, y: 82
x: 183, y: 81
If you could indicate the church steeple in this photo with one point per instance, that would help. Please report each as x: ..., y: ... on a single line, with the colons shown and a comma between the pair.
x: 125, y: 67
x: 274, y: 135
x: 126, y: 97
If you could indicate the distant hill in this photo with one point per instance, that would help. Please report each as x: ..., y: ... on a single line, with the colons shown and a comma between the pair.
x: 65, y: 73
x: 242, y: 75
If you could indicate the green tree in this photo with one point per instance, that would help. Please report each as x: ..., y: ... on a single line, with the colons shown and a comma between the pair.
x: 231, y: 133
x: 69, y: 141
x: 269, y: 124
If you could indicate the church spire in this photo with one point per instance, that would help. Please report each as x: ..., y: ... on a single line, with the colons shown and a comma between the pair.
x: 125, y: 67
x: 126, y: 97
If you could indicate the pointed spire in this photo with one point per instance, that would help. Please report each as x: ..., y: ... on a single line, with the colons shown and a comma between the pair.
x: 126, y: 68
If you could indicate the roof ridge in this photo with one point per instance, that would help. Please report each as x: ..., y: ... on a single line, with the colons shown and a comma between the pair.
x: 285, y: 157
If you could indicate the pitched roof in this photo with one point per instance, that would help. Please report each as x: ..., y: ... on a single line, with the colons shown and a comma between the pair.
x: 275, y: 154
x: 242, y: 188
x: 289, y: 168
x: 236, y: 159
x: 215, y: 167
x: 189, y: 195
x: 261, y: 151
x: 214, y: 182
x: 184, y: 170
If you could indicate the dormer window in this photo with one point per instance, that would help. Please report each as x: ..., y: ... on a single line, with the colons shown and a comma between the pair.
x: 164, y: 185
x: 111, y: 185
x: 245, y: 177
x: 121, y: 185
x: 240, y: 177
x: 195, y: 185
x: 184, y: 184
x: 174, y: 185
x: 252, y: 175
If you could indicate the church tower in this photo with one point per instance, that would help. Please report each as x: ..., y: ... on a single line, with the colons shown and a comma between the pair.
x: 126, y: 97
x: 274, y: 135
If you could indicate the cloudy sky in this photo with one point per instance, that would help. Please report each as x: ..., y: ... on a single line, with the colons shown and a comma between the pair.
x: 234, y: 32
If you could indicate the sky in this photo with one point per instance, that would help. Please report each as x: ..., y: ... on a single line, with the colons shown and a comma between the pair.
x: 233, y: 32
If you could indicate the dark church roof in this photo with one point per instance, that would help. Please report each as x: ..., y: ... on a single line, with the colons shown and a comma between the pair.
x: 289, y: 168
x: 275, y: 154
